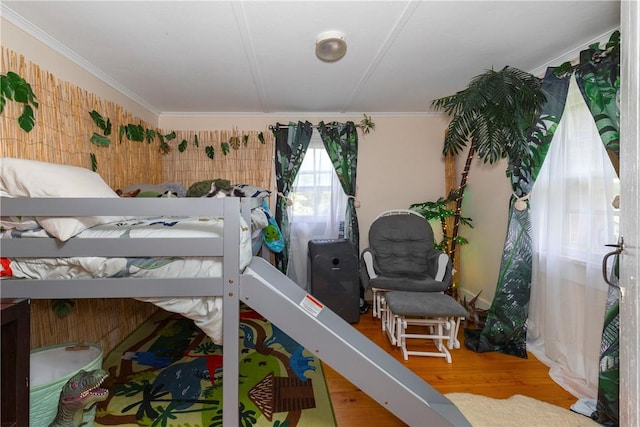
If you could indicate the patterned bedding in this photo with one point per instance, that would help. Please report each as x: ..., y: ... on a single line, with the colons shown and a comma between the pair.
x: 205, y: 311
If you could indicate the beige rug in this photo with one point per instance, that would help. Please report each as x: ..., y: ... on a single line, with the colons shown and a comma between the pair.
x: 517, y: 410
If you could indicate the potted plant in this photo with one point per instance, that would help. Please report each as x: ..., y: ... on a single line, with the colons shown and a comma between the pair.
x: 477, y: 316
x: 440, y: 210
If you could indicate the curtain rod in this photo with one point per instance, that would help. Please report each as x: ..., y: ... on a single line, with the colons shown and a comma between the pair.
x: 279, y: 125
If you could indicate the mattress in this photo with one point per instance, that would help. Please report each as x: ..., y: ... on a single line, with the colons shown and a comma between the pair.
x: 205, y: 311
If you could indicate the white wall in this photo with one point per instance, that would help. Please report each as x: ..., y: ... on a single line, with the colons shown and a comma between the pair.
x: 486, y: 202
x: 399, y: 163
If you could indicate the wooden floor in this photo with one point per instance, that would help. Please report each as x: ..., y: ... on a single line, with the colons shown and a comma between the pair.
x: 490, y: 374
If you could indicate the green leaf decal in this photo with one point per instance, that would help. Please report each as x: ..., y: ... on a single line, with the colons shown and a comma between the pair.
x: 94, y: 162
x: 15, y: 88
x: 98, y: 119
x: 210, y: 151
x: 6, y: 89
x: 182, y: 146
x: 135, y: 133
x: 100, y: 140
x: 149, y: 135
x: 26, y: 119
x: 22, y: 90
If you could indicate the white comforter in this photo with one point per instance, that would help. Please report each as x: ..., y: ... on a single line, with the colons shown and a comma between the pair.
x: 205, y: 311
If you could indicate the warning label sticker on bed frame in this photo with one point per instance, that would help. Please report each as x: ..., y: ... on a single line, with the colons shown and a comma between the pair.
x: 311, y: 305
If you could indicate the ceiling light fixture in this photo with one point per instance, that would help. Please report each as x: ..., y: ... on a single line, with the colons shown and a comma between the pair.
x: 330, y: 46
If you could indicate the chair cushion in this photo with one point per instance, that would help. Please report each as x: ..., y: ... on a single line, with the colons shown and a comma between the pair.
x: 400, y: 243
x: 428, y: 304
x: 425, y: 284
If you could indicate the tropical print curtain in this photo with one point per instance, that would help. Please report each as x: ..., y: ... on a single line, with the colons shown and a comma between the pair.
x: 598, y: 76
x: 291, y: 145
x: 608, y: 404
x: 505, y: 327
x: 341, y: 142
x: 572, y: 222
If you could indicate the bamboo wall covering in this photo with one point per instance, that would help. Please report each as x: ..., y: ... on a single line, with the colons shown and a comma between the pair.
x: 62, y: 134
x: 251, y: 163
x: 64, y: 128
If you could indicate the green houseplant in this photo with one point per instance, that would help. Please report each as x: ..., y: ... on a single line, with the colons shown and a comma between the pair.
x: 15, y: 88
x: 440, y: 210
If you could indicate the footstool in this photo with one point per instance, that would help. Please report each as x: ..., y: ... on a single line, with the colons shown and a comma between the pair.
x: 440, y: 313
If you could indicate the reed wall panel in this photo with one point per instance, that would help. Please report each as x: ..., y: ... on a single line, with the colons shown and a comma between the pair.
x: 251, y: 164
x: 62, y: 135
x: 64, y: 128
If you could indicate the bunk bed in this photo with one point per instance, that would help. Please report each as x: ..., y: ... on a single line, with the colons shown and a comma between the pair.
x: 258, y: 284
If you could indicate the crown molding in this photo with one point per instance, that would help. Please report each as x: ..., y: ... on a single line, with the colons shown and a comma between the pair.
x: 17, y: 20
x: 353, y: 116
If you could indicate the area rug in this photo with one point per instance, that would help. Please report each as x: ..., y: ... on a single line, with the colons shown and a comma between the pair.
x: 518, y: 410
x: 168, y: 373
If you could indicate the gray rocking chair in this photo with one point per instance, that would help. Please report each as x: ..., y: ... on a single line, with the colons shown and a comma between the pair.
x: 407, y: 277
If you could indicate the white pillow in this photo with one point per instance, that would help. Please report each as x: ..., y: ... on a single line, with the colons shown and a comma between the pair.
x: 30, y: 178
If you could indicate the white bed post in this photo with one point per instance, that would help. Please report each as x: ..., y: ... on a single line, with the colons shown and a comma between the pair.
x: 231, y: 311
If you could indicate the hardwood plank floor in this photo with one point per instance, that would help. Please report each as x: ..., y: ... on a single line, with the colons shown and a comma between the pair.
x: 490, y: 374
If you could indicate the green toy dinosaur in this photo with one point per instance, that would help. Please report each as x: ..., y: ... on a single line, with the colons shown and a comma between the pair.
x: 80, y: 392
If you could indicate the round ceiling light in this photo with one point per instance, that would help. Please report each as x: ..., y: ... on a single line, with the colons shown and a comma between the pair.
x: 331, y: 46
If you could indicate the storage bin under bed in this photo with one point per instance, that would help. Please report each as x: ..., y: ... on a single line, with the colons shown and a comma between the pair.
x: 51, y: 368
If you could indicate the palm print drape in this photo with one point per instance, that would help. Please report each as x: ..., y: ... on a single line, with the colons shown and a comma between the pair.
x: 608, y: 403
x: 341, y: 142
x: 291, y: 145
x: 598, y: 76
x: 505, y: 329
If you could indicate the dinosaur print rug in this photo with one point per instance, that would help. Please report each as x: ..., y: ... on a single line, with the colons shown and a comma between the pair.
x: 168, y: 373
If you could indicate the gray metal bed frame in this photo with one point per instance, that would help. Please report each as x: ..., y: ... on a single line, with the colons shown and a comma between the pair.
x: 260, y: 286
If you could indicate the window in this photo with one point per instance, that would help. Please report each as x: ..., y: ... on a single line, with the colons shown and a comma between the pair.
x: 572, y: 220
x: 589, y: 180
x: 313, y: 188
x: 318, y: 209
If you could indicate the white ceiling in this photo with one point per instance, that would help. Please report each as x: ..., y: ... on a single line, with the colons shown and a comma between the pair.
x: 180, y: 57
